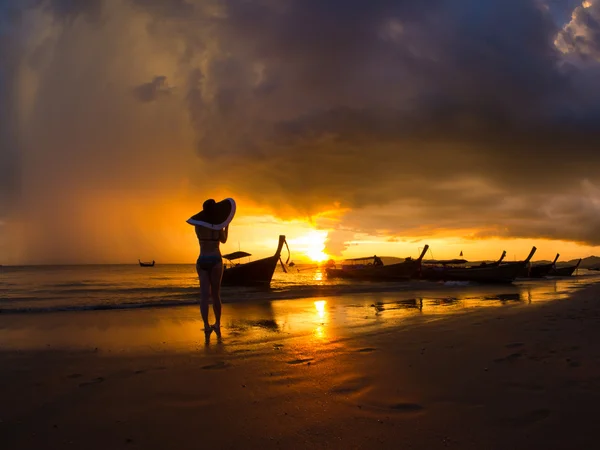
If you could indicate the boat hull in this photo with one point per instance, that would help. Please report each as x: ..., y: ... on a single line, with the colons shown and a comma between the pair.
x: 256, y: 273
x: 504, y: 273
x: 538, y: 271
x: 565, y: 271
x: 393, y: 272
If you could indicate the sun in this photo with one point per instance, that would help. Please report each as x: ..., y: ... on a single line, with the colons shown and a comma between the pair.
x: 312, y: 245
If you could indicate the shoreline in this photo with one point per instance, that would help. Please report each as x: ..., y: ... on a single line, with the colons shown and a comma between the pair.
x: 187, y: 296
x: 176, y: 327
x: 493, y: 378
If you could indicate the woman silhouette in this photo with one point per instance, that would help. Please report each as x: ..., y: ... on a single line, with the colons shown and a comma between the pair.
x: 210, y: 270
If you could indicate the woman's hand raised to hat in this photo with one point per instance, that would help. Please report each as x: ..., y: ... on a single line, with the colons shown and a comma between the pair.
x: 223, y: 234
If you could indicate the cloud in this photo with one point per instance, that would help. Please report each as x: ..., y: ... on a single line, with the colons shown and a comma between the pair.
x: 581, y: 35
x: 148, y: 92
x: 415, y: 116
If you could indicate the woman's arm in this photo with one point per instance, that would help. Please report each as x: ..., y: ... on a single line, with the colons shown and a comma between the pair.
x: 224, y: 234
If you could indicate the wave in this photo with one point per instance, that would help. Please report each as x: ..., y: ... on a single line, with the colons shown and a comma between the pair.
x: 187, y: 297
x: 136, y: 297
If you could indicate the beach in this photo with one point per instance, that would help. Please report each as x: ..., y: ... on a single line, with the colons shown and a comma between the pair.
x: 344, y: 372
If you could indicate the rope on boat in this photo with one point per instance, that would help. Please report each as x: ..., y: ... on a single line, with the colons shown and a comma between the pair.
x: 288, y: 258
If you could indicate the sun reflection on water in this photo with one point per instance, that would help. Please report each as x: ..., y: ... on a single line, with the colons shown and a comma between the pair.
x: 320, y: 306
x: 320, y: 332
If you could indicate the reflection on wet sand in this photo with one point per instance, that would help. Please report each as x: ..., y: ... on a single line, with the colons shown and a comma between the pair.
x: 252, y: 323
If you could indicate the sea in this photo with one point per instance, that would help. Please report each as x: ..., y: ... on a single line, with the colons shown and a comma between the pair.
x: 47, y: 289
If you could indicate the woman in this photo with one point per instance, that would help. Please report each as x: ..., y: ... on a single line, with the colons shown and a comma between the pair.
x: 210, y: 271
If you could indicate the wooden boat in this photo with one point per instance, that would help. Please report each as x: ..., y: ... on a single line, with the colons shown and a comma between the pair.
x: 538, y: 270
x: 361, y: 270
x: 496, y: 263
x: 463, y: 263
x: 565, y: 271
x: 490, y: 273
x: 146, y: 264
x: 254, y: 273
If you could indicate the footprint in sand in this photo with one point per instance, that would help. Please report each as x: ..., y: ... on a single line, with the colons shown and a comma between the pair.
x: 514, y: 345
x: 217, y: 365
x: 527, y: 419
x: 299, y: 361
x: 366, y: 350
x: 399, y: 408
x: 406, y: 407
x: 241, y: 350
x: 510, y: 358
x: 94, y: 381
x: 353, y: 385
x: 140, y: 371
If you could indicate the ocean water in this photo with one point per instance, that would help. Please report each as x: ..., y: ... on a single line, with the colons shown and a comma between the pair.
x: 35, y: 289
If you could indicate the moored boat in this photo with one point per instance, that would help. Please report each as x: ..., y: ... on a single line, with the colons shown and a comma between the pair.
x: 565, y: 271
x: 538, y: 270
x: 146, y: 264
x: 253, y: 273
x: 375, y: 270
x: 497, y: 272
x: 495, y: 263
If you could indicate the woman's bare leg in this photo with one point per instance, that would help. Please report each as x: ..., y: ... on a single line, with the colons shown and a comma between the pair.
x: 205, y: 281
x: 215, y: 287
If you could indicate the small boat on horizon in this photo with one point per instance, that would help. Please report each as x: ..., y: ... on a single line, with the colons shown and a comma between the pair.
x: 146, y: 264
x: 253, y: 273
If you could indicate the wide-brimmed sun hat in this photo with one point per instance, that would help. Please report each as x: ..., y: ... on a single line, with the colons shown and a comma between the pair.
x: 214, y: 215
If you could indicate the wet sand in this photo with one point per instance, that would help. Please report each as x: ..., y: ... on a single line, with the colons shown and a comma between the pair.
x: 348, y: 373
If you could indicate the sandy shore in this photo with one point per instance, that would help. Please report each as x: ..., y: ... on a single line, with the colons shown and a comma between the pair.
x: 491, y: 378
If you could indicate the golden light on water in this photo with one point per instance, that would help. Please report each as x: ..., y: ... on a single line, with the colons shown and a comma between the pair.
x: 318, y: 275
x: 320, y: 331
x: 320, y: 306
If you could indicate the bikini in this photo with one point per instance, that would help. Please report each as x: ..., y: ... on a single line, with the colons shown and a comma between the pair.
x: 208, y: 262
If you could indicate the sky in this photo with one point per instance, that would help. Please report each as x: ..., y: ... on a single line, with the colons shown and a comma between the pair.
x: 352, y: 127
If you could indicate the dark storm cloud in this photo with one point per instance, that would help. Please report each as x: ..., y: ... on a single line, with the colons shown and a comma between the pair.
x: 9, y: 146
x: 306, y: 104
x: 373, y: 98
x: 148, y: 92
x: 72, y: 9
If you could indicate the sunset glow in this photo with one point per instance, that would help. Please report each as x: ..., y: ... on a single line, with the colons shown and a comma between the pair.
x: 312, y: 245
x: 331, y: 156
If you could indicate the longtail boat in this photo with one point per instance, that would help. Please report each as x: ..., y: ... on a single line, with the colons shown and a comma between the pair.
x: 254, y: 273
x: 565, y: 271
x: 495, y: 263
x: 146, y: 264
x: 497, y: 272
x: 538, y: 270
x: 376, y: 270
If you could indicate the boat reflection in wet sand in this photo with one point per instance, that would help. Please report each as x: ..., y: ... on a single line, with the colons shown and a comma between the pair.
x: 254, y: 273
x: 372, y: 269
x: 455, y: 270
